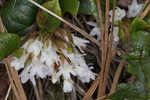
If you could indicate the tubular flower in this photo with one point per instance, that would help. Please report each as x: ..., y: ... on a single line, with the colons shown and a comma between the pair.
x: 42, y: 59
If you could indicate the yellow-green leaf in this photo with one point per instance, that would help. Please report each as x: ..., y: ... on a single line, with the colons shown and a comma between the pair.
x: 46, y: 21
x: 70, y: 6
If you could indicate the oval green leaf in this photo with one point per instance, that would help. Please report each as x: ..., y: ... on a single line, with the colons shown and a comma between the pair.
x: 8, y: 43
x: 19, y: 15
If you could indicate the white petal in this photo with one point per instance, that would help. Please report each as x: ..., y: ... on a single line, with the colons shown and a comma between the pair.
x: 115, y: 33
x: 119, y: 14
x: 68, y: 86
x: 92, y: 23
x: 79, y: 42
x: 95, y: 31
x: 134, y: 9
x: 35, y: 47
x: 25, y: 76
x: 39, y: 69
x: 49, y: 56
x: 55, y: 78
x: 32, y: 79
x: 18, y: 63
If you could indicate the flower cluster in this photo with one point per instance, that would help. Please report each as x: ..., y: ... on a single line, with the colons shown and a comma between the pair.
x: 43, y: 58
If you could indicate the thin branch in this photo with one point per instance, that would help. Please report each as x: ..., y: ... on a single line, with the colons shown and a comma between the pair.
x: 145, y: 4
x: 116, y: 77
x: 85, y: 34
x: 92, y: 89
x: 40, y: 89
x: 102, y: 43
x: 109, y: 55
x: 106, y: 24
x: 15, y: 82
x: 8, y: 92
x: 36, y: 92
x: 145, y: 12
x: 94, y: 85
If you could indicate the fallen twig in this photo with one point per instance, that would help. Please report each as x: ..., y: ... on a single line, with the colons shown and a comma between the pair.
x: 7, y: 95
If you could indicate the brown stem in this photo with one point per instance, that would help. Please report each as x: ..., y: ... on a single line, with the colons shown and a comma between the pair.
x: 92, y: 89
x: 102, y: 42
x: 40, y: 89
x: 36, y: 92
x: 109, y: 55
x: 94, y: 85
x: 116, y: 77
x: 145, y: 12
x: 146, y: 2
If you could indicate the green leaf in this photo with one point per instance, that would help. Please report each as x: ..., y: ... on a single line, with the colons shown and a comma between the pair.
x: 147, y: 46
x: 134, y: 67
x: 70, y: 6
x: 85, y: 7
x: 141, y: 66
x: 130, y: 92
x: 146, y: 61
x: 18, y: 52
x: 138, y: 39
x: 8, y: 43
x: 46, y: 21
x: 19, y: 15
x: 139, y: 25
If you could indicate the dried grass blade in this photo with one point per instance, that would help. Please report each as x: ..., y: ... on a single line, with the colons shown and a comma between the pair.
x: 91, y: 90
x: 15, y: 82
x: 102, y: 43
x: 109, y: 55
x: 116, y: 77
x: 12, y: 83
x: 145, y: 12
x: 8, y: 92
x: 145, y: 4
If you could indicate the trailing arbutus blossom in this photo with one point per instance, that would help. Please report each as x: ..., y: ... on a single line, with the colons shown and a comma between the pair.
x: 44, y: 56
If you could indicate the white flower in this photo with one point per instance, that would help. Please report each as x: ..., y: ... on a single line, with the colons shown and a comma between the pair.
x: 76, y: 58
x: 18, y: 63
x: 38, y: 69
x: 25, y: 76
x: 66, y: 70
x: 85, y: 74
x: 35, y: 47
x: 55, y: 77
x: 49, y: 56
x: 134, y: 9
x: 67, y: 86
x: 95, y: 31
x: 119, y: 14
x: 115, y: 33
x: 81, y: 68
x: 116, y: 37
x: 79, y: 42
